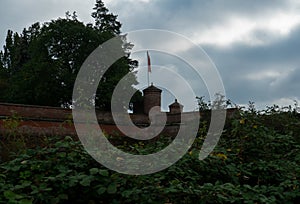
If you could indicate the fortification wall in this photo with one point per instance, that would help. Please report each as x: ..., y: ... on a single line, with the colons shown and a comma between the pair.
x: 43, y: 120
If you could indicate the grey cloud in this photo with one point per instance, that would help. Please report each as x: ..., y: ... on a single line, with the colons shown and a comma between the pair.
x: 186, y: 16
x: 16, y: 15
x: 240, y: 60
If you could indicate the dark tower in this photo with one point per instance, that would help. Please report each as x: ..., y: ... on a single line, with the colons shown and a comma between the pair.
x: 175, y: 107
x: 152, y: 97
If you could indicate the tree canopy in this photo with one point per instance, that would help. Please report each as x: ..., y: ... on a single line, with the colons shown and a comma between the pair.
x: 40, y: 65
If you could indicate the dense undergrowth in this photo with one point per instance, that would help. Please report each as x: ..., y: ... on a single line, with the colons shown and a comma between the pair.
x: 257, y: 160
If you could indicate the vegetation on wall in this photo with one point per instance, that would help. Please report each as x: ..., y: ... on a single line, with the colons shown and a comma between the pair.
x: 257, y: 160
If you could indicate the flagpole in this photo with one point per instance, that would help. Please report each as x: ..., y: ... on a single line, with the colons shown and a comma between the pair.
x: 149, y: 68
x: 148, y: 78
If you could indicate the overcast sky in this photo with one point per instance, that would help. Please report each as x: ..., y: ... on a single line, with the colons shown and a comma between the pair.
x: 255, y: 45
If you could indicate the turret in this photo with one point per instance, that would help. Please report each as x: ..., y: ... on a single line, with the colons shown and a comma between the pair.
x: 175, y: 107
x: 152, y: 97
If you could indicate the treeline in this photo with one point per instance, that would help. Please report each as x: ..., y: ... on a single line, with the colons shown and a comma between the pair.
x: 39, y: 66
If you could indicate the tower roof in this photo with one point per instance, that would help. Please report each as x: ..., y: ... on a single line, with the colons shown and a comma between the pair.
x: 176, y: 105
x: 152, y: 88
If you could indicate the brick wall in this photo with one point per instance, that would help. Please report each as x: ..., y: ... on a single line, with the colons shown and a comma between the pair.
x: 42, y: 120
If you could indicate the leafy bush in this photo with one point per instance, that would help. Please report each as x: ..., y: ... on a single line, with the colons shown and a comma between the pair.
x: 254, y: 162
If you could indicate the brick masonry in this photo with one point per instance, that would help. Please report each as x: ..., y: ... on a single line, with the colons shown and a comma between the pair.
x: 42, y: 120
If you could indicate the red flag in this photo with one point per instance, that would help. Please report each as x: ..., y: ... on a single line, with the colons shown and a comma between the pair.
x: 149, y: 62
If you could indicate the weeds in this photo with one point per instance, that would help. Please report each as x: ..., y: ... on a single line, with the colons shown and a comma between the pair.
x: 12, y: 141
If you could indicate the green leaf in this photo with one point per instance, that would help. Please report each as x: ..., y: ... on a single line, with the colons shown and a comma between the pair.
x: 86, y: 181
x: 101, y: 190
x: 104, y: 173
x: 16, y: 168
x: 94, y: 171
x: 112, y: 188
x: 11, y: 195
x: 62, y: 154
x: 25, y: 201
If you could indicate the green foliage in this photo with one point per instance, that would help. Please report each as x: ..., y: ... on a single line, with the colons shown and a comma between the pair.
x: 104, y: 21
x: 12, y: 141
x: 220, y: 102
x: 254, y: 162
x: 39, y: 66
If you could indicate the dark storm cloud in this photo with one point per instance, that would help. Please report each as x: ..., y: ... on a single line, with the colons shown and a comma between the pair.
x: 260, y: 73
x: 264, y: 69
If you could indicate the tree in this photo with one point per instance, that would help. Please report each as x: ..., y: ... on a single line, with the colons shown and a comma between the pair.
x: 43, y: 61
x: 3, y: 78
x: 105, y: 22
x: 8, y: 50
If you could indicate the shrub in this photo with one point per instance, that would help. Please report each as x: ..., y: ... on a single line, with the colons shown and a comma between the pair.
x: 254, y: 162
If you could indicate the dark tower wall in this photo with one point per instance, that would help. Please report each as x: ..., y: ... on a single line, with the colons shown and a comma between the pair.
x: 175, y: 107
x: 152, y: 97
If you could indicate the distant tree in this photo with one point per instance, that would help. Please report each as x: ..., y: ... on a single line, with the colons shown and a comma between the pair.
x: 43, y: 62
